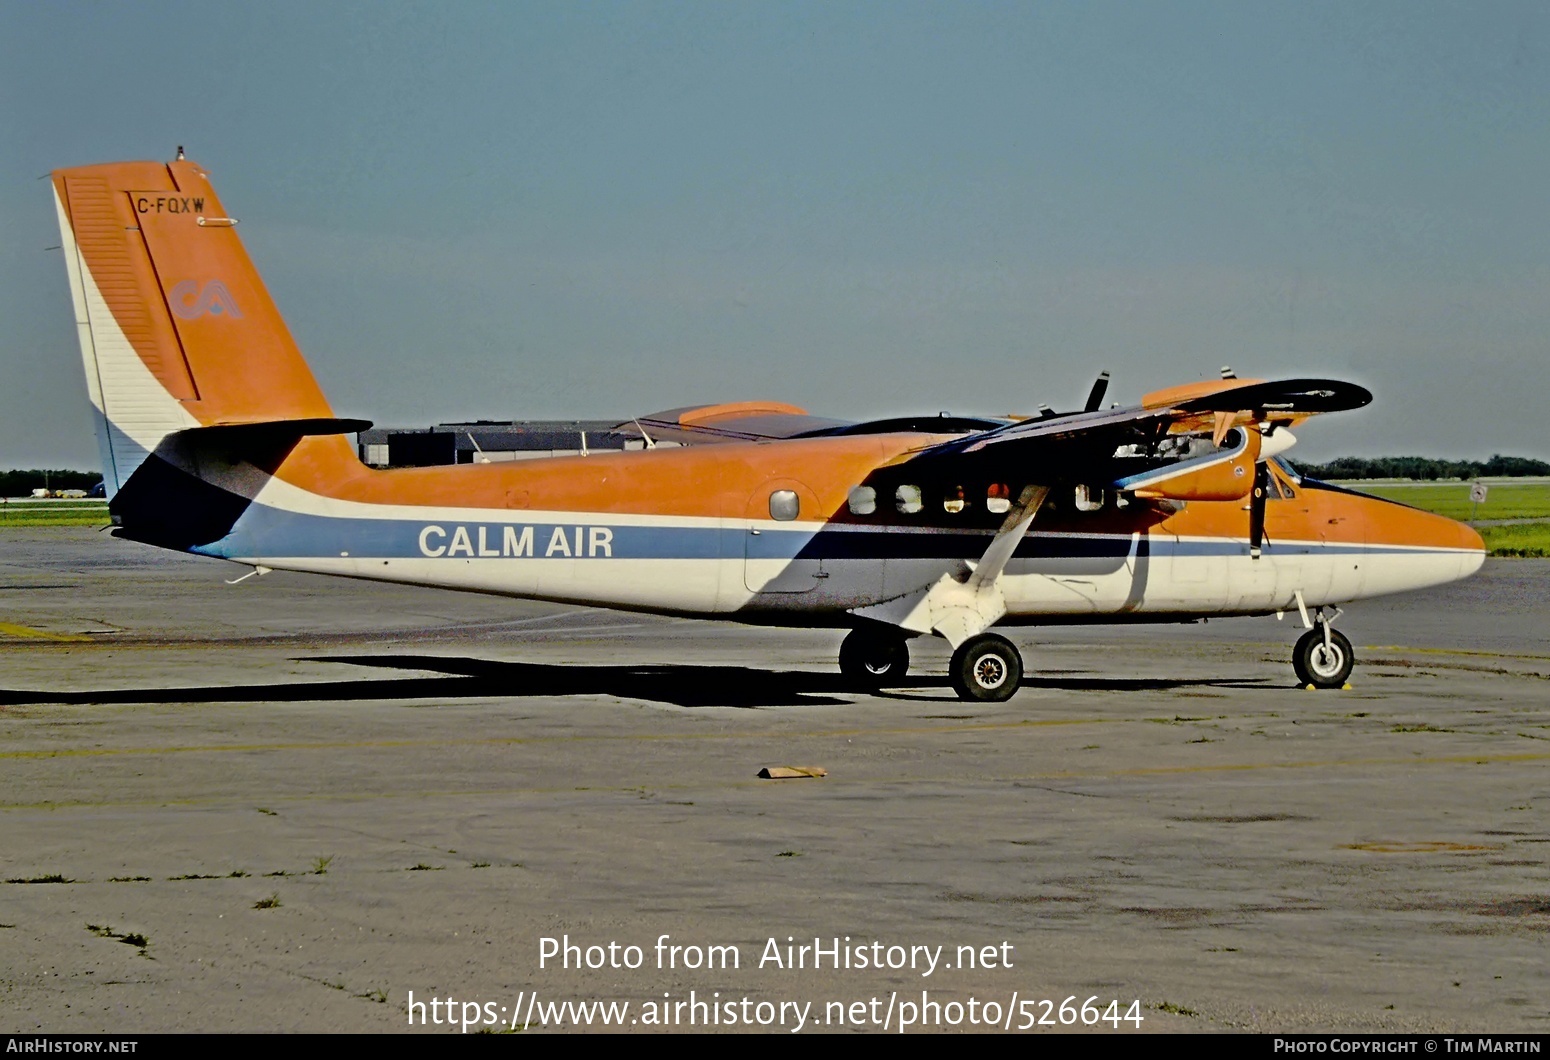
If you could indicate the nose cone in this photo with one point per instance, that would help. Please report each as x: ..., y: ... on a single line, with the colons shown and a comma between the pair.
x: 1436, y: 531
x: 1461, y: 541
x: 1469, y: 539
x: 1392, y: 523
x: 1438, y: 549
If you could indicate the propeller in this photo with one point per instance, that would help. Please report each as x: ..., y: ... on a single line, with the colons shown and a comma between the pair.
x: 1257, y: 508
x: 1095, y: 396
x: 1094, y: 400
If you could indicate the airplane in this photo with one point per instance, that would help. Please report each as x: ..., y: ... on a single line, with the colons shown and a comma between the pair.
x: 216, y: 440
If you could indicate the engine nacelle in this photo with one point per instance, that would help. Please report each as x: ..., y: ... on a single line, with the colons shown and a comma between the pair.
x: 1224, y: 475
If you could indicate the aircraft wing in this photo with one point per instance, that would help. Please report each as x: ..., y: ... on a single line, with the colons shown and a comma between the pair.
x: 1171, y: 433
x: 742, y: 421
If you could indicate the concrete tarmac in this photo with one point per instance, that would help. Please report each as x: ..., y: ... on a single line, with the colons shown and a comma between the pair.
x: 291, y: 803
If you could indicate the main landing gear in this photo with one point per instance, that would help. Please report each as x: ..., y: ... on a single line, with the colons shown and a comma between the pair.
x: 874, y: 656
x: 986, y: 668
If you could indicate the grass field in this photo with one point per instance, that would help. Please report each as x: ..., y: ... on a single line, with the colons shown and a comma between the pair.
x: 14, y: 512
x: 1503, y: 501
x: 1528, y: 540
x: 1514, y: 500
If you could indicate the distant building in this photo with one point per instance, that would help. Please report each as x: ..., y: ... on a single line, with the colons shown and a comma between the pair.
x: 490, y: 441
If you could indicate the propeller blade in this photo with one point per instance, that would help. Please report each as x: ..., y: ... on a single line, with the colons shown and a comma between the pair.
x: 1095, y: 396
x: 1257, y: 509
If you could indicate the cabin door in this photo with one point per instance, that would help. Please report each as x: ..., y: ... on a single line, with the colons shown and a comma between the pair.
x: 781, y: 521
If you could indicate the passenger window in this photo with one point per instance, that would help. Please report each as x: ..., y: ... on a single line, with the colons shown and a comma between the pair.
x: 784, y: 505
x: 907, y: 498
x: 953, y: 501
x: 1089, y: 500
x: 863, y: 500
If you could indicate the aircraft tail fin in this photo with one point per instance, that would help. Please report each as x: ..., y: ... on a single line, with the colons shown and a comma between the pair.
x: 177, y: 331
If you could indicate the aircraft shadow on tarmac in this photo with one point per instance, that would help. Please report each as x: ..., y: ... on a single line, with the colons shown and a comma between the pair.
x: 678, y: 685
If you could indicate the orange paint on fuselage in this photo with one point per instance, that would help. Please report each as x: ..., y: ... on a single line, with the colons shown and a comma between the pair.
x: 720, y: 481
x: 1334, y: 516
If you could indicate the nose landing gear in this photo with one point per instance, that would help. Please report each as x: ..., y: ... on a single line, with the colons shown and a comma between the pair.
x: 1322, y: 657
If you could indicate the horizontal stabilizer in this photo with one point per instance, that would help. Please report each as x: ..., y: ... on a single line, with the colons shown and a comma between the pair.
x: 192, y: 489
x: 293, y: 429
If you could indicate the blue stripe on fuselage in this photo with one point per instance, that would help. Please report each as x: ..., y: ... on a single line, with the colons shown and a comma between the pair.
x: 268, y: 531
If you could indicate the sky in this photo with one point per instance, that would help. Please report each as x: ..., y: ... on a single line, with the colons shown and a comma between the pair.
x: 589, y: 210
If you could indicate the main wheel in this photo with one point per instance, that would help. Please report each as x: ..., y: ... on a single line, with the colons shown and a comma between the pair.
x: 986, y: 668
x: 1321, y: 665
x: 872, y: 658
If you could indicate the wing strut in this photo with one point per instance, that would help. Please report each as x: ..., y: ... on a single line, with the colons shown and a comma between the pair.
x: 964, y: 603
x: 1013, y: 529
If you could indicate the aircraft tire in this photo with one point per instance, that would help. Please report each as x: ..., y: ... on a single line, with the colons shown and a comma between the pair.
x: 872, y: 658
x: 1319, y: 666
x: 986, y: 669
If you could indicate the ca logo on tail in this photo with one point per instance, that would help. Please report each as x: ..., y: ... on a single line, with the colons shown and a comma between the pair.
x: 189, y: 300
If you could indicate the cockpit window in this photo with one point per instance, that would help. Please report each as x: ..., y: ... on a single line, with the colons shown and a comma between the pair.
x: 1291, y: 473
x: 1279, y: 487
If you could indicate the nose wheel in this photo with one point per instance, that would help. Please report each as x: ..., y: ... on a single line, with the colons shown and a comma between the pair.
x: 986, y: 669
x: 1323, y: 658
x: 871, y: 657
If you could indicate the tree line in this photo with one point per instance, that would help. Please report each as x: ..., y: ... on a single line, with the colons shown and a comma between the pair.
x: 22, y: 483
x: 1424, y: 468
